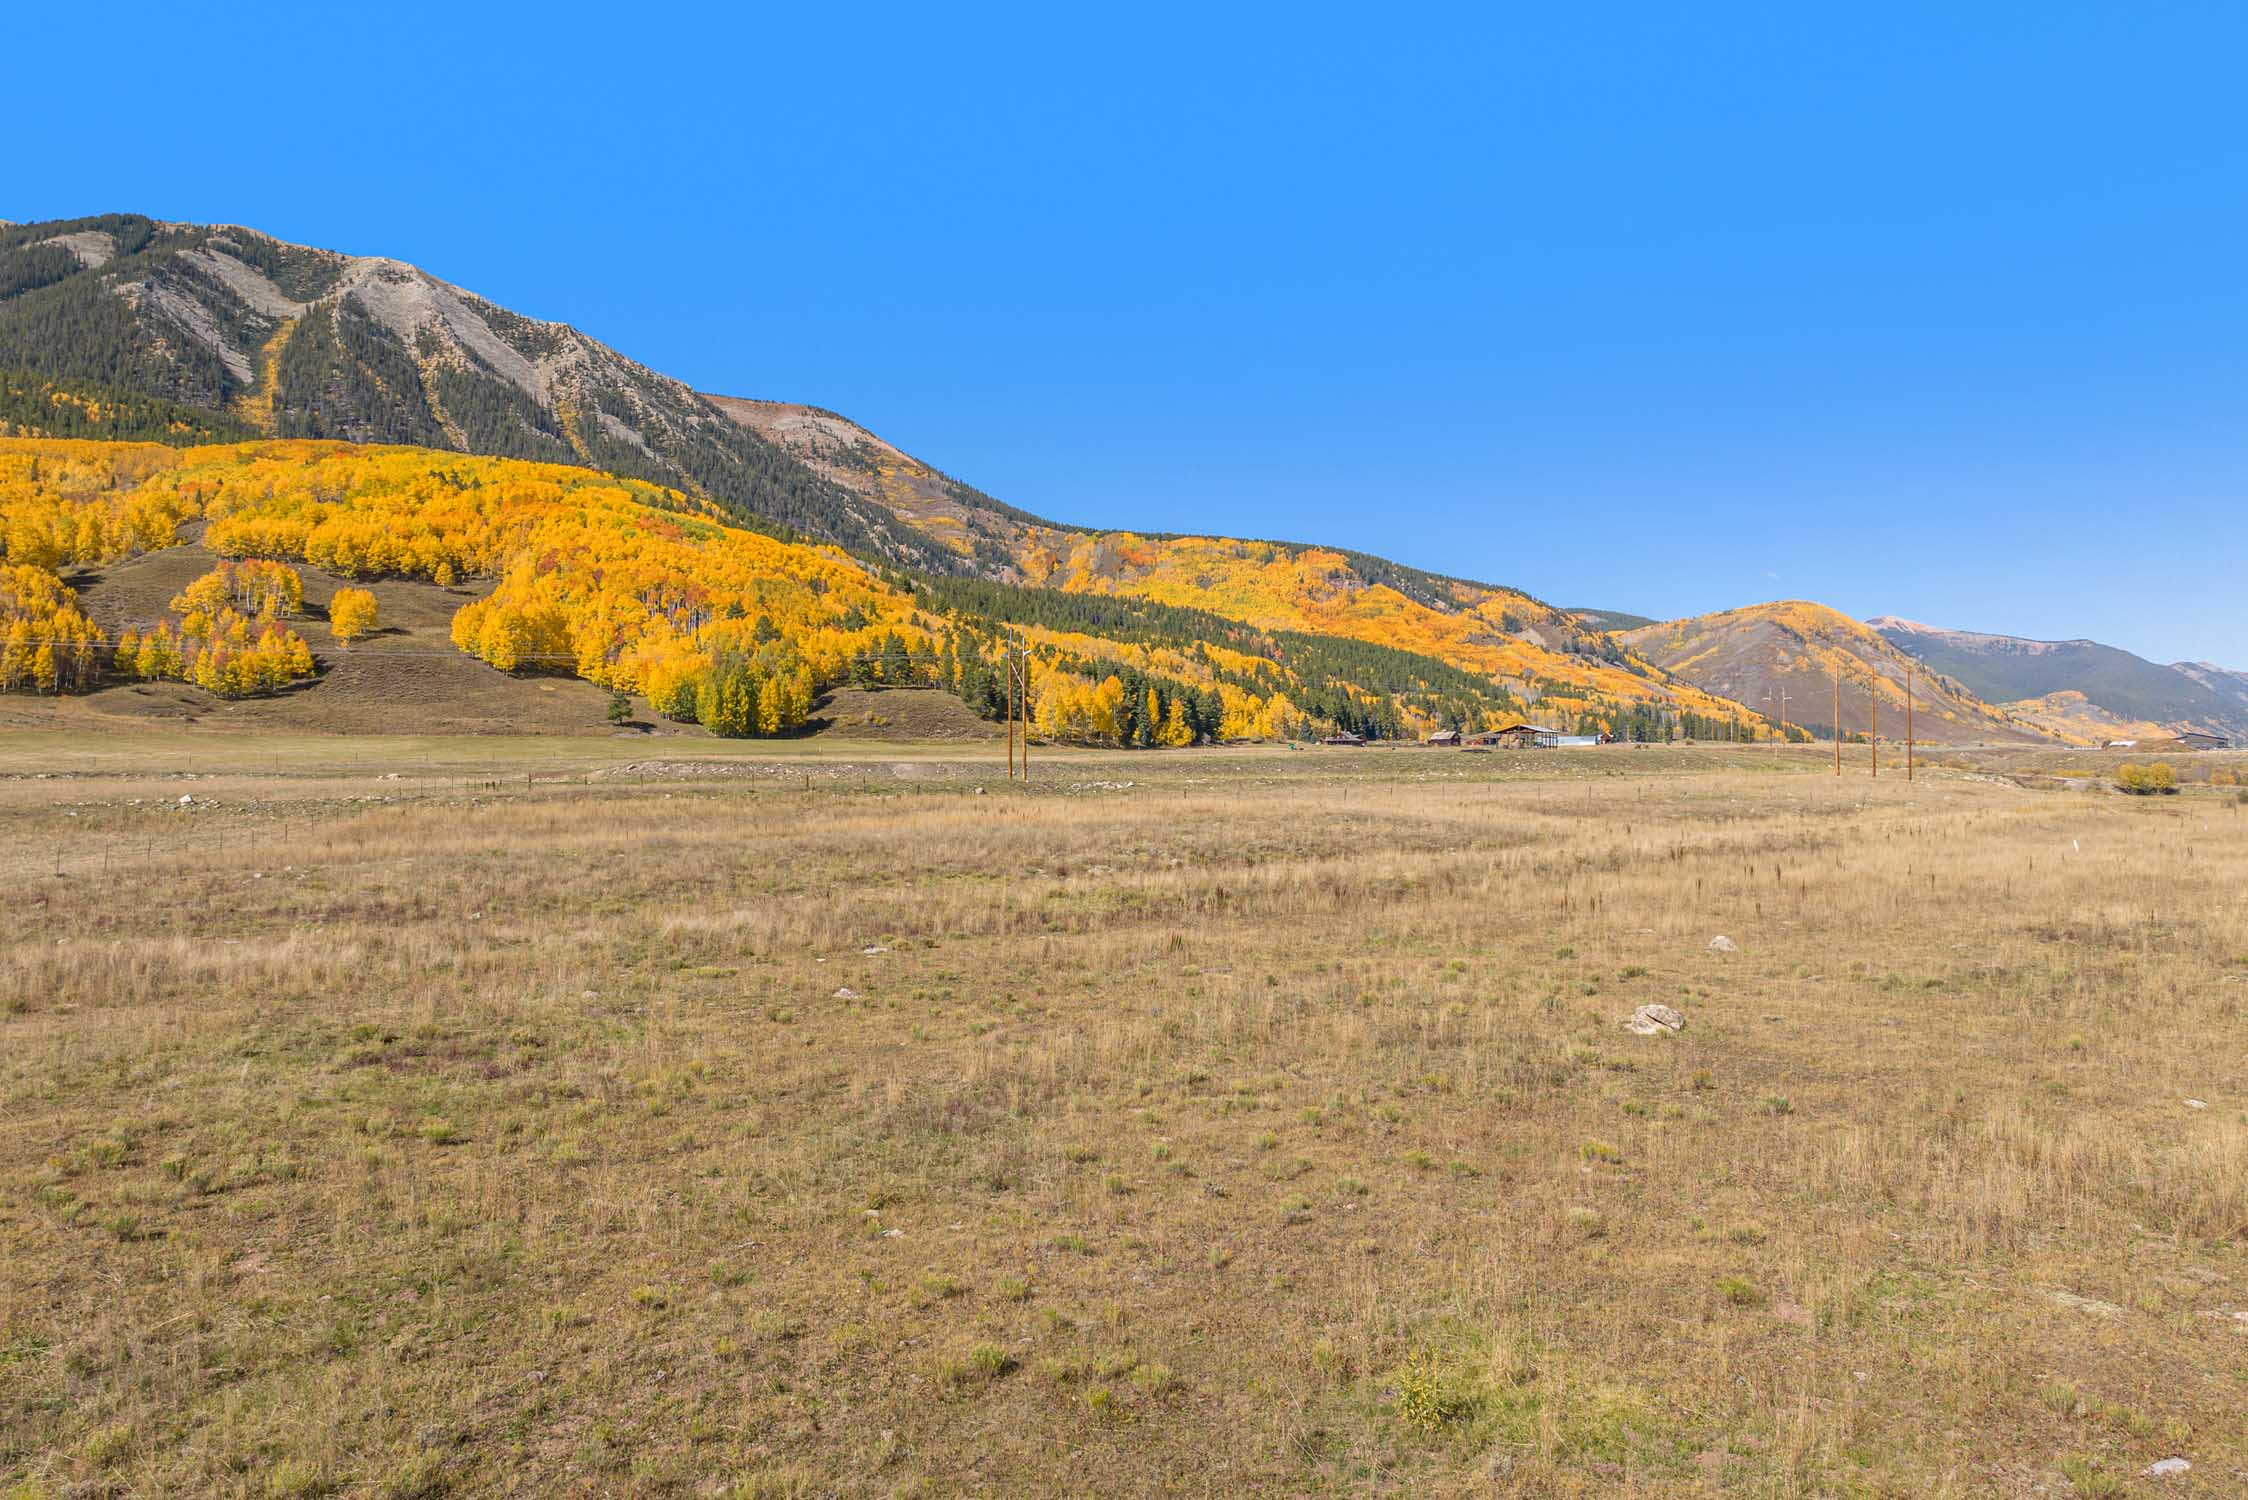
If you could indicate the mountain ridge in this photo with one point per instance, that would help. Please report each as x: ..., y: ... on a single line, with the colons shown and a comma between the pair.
x: 173, y: 319
x: 1755, y: 653
x: 2099, y: 691
x: 1545, y: 654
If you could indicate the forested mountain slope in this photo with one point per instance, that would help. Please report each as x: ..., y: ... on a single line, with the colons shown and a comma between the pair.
x: 2100, y: 689
x: 293, y: 341
x: 634, y: 587
x: 121, y: 327
x: 1559, y: 666
x: 196, y: 333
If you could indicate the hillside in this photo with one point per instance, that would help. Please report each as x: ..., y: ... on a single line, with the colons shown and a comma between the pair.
x: 1555, y: 663
x: 980, y: 532
x: 121, y: 327
x: 35, y: 405
x: 124, y: 327
x: 407, y: 678
x: 1756, y: 653
x: 1612, y: 619
x: 2230, y: 687
x: 292, y: 341
x: 560, y: 572
x: 2103, y: 689
x: 2069, y: 715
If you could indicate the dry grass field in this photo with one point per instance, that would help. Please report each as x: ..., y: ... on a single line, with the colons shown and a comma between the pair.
x: 782, y: 1124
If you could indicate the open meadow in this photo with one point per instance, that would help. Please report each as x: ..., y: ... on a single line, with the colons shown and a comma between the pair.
x: 422, y: 1117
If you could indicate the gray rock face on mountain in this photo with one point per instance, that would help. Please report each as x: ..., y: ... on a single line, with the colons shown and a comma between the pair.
x: 302, y: 342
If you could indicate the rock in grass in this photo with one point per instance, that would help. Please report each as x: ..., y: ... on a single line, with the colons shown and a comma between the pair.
x: 2163, y: 1468
x: 1654, y: 1020
x: 1723, y: 944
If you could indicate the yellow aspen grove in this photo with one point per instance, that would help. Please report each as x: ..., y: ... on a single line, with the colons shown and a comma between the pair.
x: 642, y: 589
x: 49, y: 645
x: 1241, y: 713
x: 351, y: 615
x: 218, y: 648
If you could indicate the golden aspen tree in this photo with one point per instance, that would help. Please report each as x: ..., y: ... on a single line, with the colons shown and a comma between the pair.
x: 1107, y: 699
x: 352, y: 615
x: 15, y: 659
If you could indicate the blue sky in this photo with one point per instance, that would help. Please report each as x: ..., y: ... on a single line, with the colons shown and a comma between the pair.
x: 1932, y: 310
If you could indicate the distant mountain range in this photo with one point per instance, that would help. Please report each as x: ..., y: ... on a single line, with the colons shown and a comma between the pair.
x: 1816, y: 657
x: 2080, y: 687
x: 122, y: 326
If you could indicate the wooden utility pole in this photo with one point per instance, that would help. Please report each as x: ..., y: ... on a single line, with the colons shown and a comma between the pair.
x: 1838, y: 721
x: 1023, y: 658
x: 1007, y: 665
x: 1908, y: 722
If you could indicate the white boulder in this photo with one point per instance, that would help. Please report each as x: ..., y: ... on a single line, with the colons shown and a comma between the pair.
x: 1655, y: 1020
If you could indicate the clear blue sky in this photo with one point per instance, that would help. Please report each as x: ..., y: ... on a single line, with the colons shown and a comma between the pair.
x: 1935, y: 310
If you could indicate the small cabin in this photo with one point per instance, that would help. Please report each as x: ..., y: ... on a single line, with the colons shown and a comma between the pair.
x: 1445, y: 739
x: 1523, y: 736
x: 1344, y: 737
x: 2194, y: 739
